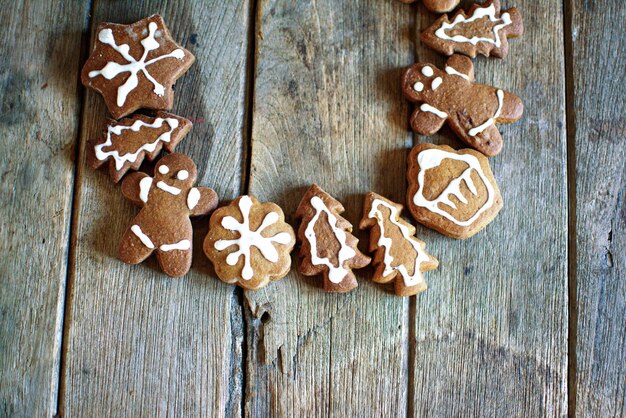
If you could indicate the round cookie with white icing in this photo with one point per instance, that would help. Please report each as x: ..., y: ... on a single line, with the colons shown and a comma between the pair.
x: 451, y: 96
x: 452, y: 192
x: 125, y: 143
x: 482, y: 30
x: 249, y: 243
x: 135, y: 66
x: 162, y: 226
x: 437, y: 6
x: 399, y: 255
x: 327, y: 244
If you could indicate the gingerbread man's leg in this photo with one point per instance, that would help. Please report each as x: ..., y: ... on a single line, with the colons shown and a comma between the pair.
x: 175, y: 258
x: 135, y: 246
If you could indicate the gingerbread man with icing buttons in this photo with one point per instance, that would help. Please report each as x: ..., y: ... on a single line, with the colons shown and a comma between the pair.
x: 167, y: 201
x: 472, y: 110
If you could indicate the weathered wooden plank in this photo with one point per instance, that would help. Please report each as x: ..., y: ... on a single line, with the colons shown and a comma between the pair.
x: 140, y: 343
x: 491, y: 333
x: 597, y: 132
x: 328, y: 109
x: 39, y: 117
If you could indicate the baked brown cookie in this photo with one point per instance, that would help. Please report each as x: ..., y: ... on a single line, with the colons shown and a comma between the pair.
x: 249, y: 243
x: 163, y: 226
x: 482, y: 30
x: 437, y: 6
x: 472, y: 110
x: 399, y: 256
x: 452, y: 192
x: 128, y: 141
x: 134, y: 66
x: 327, y: 245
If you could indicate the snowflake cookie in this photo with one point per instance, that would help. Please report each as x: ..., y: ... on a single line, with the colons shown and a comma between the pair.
x: 249, y: 243
x: 167, y: 200
x: 134, y: 66
x: 126, y: 142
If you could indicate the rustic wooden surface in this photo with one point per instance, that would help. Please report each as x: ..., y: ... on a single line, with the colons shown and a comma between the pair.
x: 597, y: 133
x: 525, y: 319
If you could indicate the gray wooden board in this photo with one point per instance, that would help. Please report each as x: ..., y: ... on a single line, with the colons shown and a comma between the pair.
x: 598, y: 124
x: 39, y: 117
x: 138, y: 342
x: 327, y: 109
x: 491, y: 333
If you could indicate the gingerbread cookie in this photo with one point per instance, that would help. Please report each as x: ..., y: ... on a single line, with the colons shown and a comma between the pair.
x: 249, y: 243
x: 438, y: 6
x: 399, y: 255
x: 128, y: 141
x: 134, y: 66
x: 327, y: 245
x: 483, y: 30
x: 163, y: 226
x: 472, y: 110
x: 452, y: 192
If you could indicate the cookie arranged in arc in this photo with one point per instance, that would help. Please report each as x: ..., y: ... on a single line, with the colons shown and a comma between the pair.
x: 482, y: 30
x: 399, y: 256
x: 472, y: 110
x: 452, y: 192
x: 134, y: 66
x: 162, y: 226
x: 437, y: 6
x: 249, y: 243
x: 126, y: 142
x: 327, y: 244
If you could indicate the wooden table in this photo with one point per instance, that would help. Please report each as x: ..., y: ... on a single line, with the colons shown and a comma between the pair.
x: 526, y: 319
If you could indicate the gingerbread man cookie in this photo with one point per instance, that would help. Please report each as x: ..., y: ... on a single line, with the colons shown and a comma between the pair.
x: 163, y: 226
x: 128, y: 141
x: 134, y: 66
x: 452, y: 192
x: 249, y: 243
x: 483, y: 30
x: 438, y: 6
x: 399, y: 256
x: 472, y: 110
x: 328, y: 246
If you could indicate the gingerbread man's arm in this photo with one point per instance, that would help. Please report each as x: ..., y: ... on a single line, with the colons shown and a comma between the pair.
x: 201, y: 201
x: 426, y: 122
x: 462, y: 65
x: 135, y: 188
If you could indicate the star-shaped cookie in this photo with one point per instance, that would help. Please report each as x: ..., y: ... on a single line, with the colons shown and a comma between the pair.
x: 134, y: 66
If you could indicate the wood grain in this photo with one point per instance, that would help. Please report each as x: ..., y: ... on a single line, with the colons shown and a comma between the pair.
x: 39, y: 119
x: 597, y: 128
x: 138, y: 342
x: 490, y: 334
x: 328, y: 109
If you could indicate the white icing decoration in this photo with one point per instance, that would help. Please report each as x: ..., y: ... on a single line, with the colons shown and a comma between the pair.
x: 386, y: 242
x: 193, y: 198
x: 181, y: 245
x: 479, y: 13
x: 113, y: 69
x: 431, y: 158
x: 248, y: 238
x: 144, y: 188
x: 436, y: 83
x: 418, y: 86
x: 427, y: 71
x: 428, y: 108
x: 335, y: 273
x: 479, y: 129
x: 164, y: 169
x: 182, y: 175
x: 452, y: 71
x: 167, y: 188
x: 142, y: 237
x: 135, y: 127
